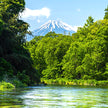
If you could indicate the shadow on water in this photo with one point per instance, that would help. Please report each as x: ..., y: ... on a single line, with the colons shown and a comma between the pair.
x: 55, y: 97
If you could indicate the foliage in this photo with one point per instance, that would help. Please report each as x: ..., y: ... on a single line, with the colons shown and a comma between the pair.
x: 47, y: 53
x: 106, y: 13
x: 6, y: 86
x: 5, y: 68
x: 80, y: 56
x: 17, y: 83
x: 14, y: 59
x: 88, y: 54
x: 64, y: 81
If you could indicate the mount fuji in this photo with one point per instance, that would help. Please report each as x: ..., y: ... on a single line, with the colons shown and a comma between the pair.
x: 58, y: 27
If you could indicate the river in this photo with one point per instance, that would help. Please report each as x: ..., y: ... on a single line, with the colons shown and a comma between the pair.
x: 55, y: 97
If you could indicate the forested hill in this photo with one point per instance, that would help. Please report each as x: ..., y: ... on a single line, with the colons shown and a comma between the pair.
x: 16, y: 66
x: 84, y: 55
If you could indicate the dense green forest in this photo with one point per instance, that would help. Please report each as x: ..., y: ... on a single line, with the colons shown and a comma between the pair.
x: 16, y: 65
x: 84, y: 55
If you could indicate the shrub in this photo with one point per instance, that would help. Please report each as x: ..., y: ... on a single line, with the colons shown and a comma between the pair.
x: 6, y: 86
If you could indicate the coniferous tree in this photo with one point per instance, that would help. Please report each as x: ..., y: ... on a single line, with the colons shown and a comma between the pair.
x: 106, y: 13
x: 89, y: 21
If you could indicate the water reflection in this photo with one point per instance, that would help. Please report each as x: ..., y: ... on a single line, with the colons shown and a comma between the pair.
x: 55, y: 97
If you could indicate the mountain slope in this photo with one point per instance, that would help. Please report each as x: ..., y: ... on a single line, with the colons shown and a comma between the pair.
x: 58, y: 27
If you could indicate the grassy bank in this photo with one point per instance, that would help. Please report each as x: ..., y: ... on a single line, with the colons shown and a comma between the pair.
x: 62, y: 81
x: 6, y: 86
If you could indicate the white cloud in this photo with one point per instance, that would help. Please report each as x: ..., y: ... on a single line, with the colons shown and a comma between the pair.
x: 78, y: 10
x: 75, y: 28
x: 27, y: 13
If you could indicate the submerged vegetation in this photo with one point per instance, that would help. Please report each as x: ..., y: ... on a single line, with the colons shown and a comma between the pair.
x: 81, y: 57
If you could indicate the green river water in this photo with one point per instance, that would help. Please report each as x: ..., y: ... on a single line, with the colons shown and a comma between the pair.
x: 55, y: 97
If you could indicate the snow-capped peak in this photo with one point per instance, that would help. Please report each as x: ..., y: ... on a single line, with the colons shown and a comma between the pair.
x: 53, y: 25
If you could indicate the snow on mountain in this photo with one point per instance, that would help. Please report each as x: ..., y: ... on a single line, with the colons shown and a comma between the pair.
x: 58, y: 27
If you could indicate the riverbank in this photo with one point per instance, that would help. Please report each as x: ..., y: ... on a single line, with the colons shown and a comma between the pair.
x: 6, y: 86
x: 62, y: 81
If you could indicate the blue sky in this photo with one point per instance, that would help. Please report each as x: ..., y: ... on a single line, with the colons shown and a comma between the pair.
x: 72, y: 12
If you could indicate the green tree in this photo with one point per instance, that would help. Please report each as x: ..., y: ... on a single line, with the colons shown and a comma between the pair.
x: 12, y: 39
x: 89, y: 21
x: 47, y: 53
x: 82, y: 56
x: 106, y: 13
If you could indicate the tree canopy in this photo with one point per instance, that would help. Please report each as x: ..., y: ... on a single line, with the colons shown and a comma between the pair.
x: 15, y: 61
x: 80, y: 56
x: 106, y: 13
x: 84, y: 55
